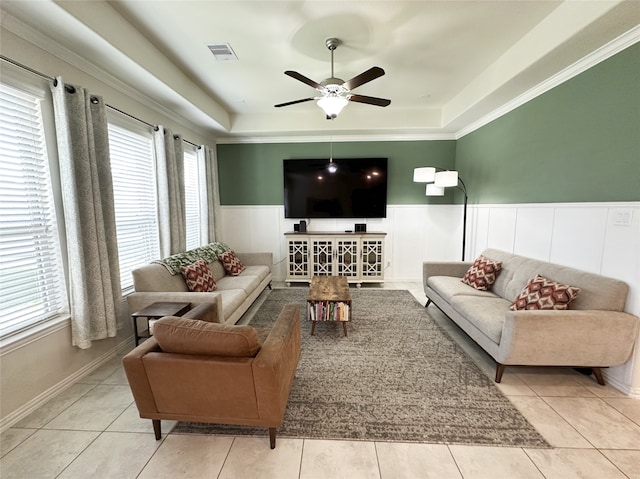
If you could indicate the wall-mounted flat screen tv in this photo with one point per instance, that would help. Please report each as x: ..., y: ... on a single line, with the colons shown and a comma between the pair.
x: 357, y: 189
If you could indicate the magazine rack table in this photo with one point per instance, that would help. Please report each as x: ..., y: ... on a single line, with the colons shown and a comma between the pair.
x: 329, y: 299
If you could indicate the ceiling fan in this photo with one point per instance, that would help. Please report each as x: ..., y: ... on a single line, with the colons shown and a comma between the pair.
x: 336, y: 93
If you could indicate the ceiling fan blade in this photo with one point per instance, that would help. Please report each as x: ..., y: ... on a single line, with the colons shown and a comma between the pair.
x: 371, y: 100
x: 364, y: 77
x: 294, y: 102
x: 304, y: 79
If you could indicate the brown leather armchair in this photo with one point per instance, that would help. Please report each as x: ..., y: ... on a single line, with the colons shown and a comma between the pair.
x: 199, y: 371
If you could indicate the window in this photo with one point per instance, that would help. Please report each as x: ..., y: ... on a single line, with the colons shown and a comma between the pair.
x: 134, y: 190
x: 193, y: 191
x: 31, y: 275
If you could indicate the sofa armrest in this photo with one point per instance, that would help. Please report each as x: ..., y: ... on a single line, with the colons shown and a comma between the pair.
x: 256, y: 259
x: 457, y: 269
x: 137, y: 301
x: 567, y: 338
x: 137, y: 376
x: 275, y: 364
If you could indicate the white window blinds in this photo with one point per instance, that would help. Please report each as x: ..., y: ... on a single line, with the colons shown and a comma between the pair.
x: 32, y: 284
x: 134, y: 180
x: 192, y: 194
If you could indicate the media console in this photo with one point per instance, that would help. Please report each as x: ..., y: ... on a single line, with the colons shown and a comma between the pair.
x: 357, y: 256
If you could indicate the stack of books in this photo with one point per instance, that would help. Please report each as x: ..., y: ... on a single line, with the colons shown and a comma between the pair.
x: 328, y: 311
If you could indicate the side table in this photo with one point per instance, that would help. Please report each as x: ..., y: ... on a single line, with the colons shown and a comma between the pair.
x: 156, y: 311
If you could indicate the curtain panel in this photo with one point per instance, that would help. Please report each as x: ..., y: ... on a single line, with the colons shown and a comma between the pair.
x: 88, y: 204
x: 208, y: 156
x: 170, y: 183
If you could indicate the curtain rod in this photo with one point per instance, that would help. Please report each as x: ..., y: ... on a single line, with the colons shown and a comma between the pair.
x: 51, y: 79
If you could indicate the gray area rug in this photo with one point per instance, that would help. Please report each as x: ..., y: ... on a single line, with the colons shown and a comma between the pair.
x: 398, y: 376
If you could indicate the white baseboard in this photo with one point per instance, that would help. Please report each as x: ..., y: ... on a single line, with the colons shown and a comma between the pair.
x: 26, y: 409
x: 633, y: 393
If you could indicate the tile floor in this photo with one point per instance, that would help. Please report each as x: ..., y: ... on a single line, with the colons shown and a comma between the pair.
x: 92, y: 430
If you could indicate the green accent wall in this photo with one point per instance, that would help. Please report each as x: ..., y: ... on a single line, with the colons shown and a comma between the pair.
x: 579, y: 142
x: 251, y: 174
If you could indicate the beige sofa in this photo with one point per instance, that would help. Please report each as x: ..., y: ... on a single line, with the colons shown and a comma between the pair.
x: 154, y: 282
x: 595, y: 332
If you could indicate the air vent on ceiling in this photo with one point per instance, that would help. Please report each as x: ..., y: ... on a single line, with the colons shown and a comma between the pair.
x: 223, y: 52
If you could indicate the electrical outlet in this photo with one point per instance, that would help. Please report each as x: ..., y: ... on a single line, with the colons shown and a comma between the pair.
x: 622, y: 217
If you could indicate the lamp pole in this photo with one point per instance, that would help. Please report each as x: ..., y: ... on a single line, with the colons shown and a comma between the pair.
x: 464, y: 215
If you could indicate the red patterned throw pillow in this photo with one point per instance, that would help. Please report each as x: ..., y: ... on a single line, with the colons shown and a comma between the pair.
x: 231, y: 263
x: 544, y: 293
x: 198, y: 277
x: 482, y: 273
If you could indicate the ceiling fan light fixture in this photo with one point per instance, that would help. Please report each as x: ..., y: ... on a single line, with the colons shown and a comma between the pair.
x: 332, y: 105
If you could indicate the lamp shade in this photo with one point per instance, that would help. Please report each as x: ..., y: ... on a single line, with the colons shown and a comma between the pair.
x: 425, y: 174
x: 446, y: 178
x: 332, y: 105
x: 433, y: 190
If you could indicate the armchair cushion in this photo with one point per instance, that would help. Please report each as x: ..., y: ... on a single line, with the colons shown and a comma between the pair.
x: 188, y: 336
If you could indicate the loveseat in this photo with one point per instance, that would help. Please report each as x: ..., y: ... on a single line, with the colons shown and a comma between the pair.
x: 203, y: 371
x: 594, y: 332
x: 162, y: 281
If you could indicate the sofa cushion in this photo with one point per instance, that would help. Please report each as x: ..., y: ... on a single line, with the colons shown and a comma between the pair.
x: 231, y: 263
x: 261, y: 271
x: 598, y: 292
x: 449, y: 286
x: 544, y: 293
x: 198, y: 277
x: 155, y: 277
x: 217, y: 270
x: 189, y: 336
x: 482, y: 273
x: 246, y: 282
x: 486, y: 314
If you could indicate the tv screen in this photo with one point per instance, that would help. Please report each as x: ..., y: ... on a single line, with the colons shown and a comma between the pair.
x: 357, y: 189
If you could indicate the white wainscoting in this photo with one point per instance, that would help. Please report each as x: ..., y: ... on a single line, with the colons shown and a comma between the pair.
x: 414, y: 233
x: 581, y: 235
x: 586, y: 236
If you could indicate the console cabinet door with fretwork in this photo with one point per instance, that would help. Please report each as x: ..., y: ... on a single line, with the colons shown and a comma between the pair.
x: 372, y: 265
x: 298, y: 266
x: 322, y: 250
x: 357, y: 256
x: 347, y: 257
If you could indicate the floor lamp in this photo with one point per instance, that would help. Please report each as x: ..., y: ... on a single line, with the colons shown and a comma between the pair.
x: 437, y: 181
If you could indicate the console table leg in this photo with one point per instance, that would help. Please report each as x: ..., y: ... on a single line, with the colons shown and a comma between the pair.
x: 344, y: 326
x: 313, y: 328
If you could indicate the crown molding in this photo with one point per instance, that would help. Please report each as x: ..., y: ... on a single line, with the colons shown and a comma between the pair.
x: 335, y: 139
x: 615, y: 46
x: 33, y: 36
